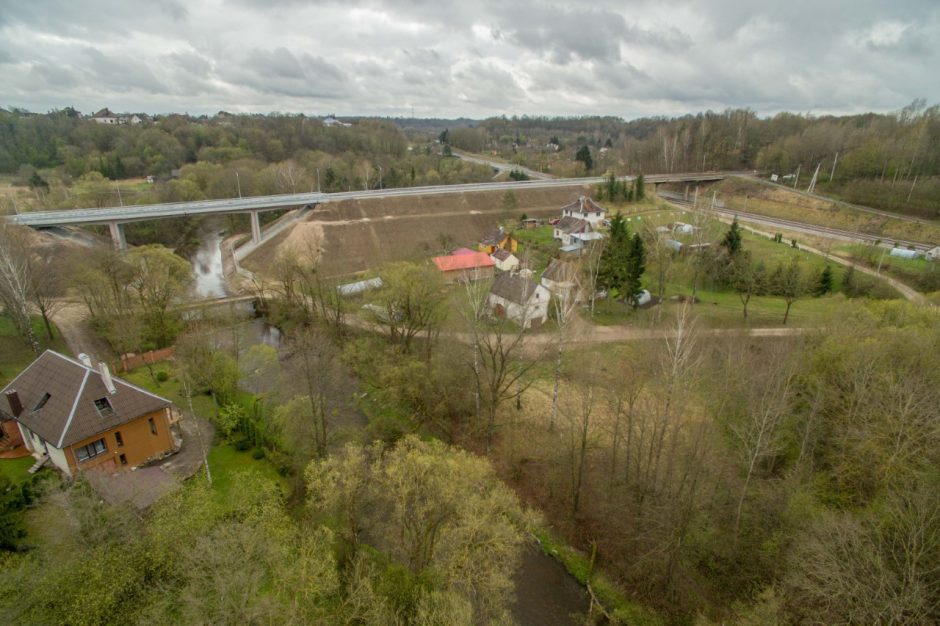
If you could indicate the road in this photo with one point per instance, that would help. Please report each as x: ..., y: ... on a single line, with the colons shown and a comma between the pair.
x: 793, y: 225
x: 46, y: 219
x: 500, y: 166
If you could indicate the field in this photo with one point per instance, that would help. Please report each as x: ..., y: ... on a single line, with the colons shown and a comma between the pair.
x: 358, y: 235
x: 757, y: 197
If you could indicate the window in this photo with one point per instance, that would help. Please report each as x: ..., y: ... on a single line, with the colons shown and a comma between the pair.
x: 123, y: 459
x: 91, y: 450
x: 119, y: 438
x: 42, y: 402
x: 103, y: 406
x: 153, y: 426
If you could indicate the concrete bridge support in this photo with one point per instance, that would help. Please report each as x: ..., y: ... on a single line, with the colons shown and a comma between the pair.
x: 117, y: 235
x: 255, y: 227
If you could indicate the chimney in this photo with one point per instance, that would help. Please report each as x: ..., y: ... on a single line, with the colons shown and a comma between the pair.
x: 106, y: 377
x: 16, y: 405
x: 85, y: 359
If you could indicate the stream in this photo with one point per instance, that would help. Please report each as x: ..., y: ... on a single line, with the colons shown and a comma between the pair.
x: 207, y: 267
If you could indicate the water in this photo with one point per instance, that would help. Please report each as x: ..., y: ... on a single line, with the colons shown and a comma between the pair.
x: 207, y: 266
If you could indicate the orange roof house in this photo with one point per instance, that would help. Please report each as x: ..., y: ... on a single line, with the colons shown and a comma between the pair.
x: 473, y: 266
x: 79, y: 417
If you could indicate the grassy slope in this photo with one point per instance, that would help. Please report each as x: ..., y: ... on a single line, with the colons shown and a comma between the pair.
x: 15, y: 469
x: 15, y: 353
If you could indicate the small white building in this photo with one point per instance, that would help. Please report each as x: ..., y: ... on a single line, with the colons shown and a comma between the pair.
x: 933, y: 254
x: 585, y: 208
x: 505, y: 260
x: 519, y: 299
x: 904, y: 253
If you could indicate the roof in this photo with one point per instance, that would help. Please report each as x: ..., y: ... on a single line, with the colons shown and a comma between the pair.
x: 455, y: 262
x: 105, y: 112
x: 559, y: 271
x: 501, y: 254
x: 572, y: 224
x: 583, y: 205
x: 351, y: 289
x: 69, y: 414
x: 494, y: 238
x: 514, y: 288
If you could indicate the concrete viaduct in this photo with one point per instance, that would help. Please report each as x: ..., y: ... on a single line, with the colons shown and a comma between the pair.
x: 116, y: 217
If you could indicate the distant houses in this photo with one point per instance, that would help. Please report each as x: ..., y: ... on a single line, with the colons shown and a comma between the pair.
x: 105, y: 116
x: 331, y: 121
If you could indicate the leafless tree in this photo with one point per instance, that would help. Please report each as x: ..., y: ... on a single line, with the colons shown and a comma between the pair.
x: 16, y: 287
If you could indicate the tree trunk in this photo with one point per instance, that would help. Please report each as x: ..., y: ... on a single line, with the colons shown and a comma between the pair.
x: 786, y: 315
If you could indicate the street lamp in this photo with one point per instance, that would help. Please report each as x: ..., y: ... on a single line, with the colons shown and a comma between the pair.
x: 238, y: 184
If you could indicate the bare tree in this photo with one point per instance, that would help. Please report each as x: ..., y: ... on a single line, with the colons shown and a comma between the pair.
x: 16, y: 286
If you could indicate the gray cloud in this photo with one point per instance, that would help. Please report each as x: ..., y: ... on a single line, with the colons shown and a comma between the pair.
x: 469, y: 57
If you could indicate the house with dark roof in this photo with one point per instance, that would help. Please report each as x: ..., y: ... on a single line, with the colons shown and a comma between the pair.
x: 568, y: 229
x: 77, y: 416
x: 586, y: 209
x: 505, y: 260
x: 520, y: 299
x: 561, y: 279
x: 497, y: 239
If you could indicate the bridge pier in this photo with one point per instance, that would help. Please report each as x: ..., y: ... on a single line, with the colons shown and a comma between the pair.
x: 255, y: 227
x: 117, y: 235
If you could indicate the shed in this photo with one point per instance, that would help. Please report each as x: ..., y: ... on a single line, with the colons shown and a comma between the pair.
x: 904, y: 253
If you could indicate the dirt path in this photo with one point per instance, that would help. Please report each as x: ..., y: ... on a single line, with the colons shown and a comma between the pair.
x: 72, y: 320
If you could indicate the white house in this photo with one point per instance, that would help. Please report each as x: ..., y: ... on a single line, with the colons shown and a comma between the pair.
x: 105, y: 116
x: 505, y: 260
x: 586, y: 209
x: 330, y: 120
x: 561, y: 279
x: 519, y: 299
x: 568, y: 226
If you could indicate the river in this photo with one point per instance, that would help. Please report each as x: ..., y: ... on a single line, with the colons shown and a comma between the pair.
x: 207, y: 267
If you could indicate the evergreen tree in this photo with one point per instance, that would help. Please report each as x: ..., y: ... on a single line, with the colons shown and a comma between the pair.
x: 824, y: 282
x: 732, y: 240
x: 640, y: 188
x: 584, y: 155
x: 614, y: 264
x: 636, y: 265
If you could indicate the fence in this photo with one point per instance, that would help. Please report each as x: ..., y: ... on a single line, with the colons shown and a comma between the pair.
x: 132, y: 361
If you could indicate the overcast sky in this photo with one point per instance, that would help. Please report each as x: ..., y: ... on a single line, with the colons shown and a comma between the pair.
x: 472, y: 58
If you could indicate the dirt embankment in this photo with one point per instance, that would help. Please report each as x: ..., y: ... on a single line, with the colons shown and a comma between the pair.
x: 356, y: 235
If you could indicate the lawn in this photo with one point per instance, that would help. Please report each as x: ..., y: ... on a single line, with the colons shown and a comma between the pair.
x: 15, y: 469
x: 15, y: 353
x: 225, y: 460
x: 171, y: 389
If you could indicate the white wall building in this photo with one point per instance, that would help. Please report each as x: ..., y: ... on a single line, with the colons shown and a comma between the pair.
x: 519, y: 299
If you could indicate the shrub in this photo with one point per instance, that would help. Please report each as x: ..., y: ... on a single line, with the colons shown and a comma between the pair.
x: 162, y: 377
x: 257, y: 454
x: 242, y: 444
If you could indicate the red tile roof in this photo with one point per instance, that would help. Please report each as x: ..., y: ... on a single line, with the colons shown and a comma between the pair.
x: 460, y: 251
x: 456, y: 262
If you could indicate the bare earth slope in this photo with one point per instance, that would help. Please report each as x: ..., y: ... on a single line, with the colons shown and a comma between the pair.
x: 360, y: 234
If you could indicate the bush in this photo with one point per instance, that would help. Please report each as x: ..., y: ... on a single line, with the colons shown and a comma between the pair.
x: 162, y: 377
x: 242, y: 444
x: 257, y: 454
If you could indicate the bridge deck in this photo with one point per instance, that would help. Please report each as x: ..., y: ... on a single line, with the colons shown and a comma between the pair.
x: 134, y: 213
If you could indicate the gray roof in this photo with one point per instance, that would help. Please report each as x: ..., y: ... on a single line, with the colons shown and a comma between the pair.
x: 573, y: 224
x: 494, y: 237
x: 560, y: 271
x: 583, y: 205
x: 501, y: 254
x: 514, y: 288
x: 69, y: 414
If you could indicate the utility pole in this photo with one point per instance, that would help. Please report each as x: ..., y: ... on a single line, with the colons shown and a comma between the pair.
x: 120, y: 199
x: 238, y: 184
x: 833, y: 173
x: 796, y: 181
x: 912, y: 189
x: 380, y: 177
x: 318, y: 181
x: 812, y: 182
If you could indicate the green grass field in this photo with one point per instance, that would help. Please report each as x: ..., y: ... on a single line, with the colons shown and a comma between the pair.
x: 15, y: 469
x: 15, y: 353
x: 225, y: 460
